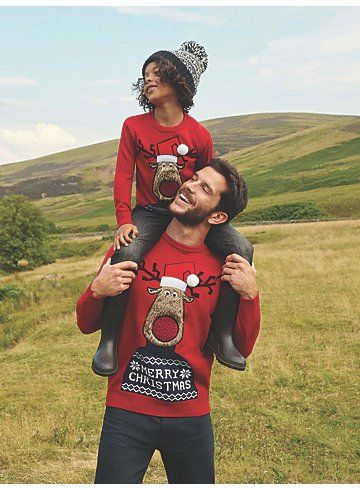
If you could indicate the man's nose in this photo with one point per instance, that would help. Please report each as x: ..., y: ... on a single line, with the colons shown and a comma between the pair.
x: 190, y: 186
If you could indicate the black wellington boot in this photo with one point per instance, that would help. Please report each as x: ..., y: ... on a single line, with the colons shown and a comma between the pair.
x: 220, y: 339
x: 105, y: 361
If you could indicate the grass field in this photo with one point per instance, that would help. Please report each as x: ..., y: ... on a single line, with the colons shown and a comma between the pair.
x: 291, y: 417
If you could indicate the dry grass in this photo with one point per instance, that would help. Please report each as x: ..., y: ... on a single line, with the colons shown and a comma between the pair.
x: 291, y: 417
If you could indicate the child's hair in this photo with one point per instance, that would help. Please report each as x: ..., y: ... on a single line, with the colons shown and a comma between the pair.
x: 169, y: 74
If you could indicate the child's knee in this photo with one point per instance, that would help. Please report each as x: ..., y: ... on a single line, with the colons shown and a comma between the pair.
x: 135, y: 251
x: 244, y: 248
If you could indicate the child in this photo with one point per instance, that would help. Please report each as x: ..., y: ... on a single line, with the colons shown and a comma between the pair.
x: 167, y: 146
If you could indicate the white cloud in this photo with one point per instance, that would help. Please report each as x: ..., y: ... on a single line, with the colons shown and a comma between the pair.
x: 125, y: 99
x: 345, y: 42
x: 104, y: 82
x: 329, y: 56
x: 96, y: 101
x: 16, y: 103
x: 6, y: 156
x: 175, y: 14
x: 103, y: 101
x: 43, y: 139
x: 10, y: 81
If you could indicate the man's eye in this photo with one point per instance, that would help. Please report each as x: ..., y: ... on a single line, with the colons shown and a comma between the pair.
x: 205, y: 189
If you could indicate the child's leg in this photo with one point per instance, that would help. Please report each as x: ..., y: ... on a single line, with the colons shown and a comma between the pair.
x: 151, y: 226
x: 225, y: 240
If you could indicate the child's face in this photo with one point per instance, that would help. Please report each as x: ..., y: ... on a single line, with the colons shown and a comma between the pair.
x: 156, y: 91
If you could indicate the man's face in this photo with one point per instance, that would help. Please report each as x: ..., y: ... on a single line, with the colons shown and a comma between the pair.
x: 155, y: 90
x: 198, y: 197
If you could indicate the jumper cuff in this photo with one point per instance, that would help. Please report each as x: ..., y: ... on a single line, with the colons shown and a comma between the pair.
x: 249, y: 303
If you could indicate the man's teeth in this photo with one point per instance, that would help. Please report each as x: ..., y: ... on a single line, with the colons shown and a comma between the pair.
x: 184, y: 198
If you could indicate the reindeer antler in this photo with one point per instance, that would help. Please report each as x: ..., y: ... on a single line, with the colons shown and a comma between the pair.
x: 192, y: 153
x: 142, y: 149
x: 209, y: 283
x: 154, y: 275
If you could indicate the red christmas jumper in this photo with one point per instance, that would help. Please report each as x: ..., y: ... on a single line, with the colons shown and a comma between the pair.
x: 142, y: 140
x: 161, y: 380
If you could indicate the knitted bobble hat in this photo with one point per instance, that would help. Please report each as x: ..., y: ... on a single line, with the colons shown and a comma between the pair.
x: 190, y: 61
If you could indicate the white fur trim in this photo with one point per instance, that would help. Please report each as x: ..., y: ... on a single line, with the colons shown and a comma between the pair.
x: 173, y: 282
x: 166, y: 158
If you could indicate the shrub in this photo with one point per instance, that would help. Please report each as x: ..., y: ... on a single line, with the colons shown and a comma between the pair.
x: 11, y: 291
x: 24, y: 234
x: 284, y: 212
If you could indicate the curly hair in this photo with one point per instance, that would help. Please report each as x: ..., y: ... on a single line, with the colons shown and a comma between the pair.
x: 168, y: 74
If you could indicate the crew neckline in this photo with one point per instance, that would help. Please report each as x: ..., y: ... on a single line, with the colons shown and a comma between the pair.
x: 181, y: 246
x: 167, y: 129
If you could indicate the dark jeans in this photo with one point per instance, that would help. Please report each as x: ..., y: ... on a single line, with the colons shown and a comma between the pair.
x: 128, y: 441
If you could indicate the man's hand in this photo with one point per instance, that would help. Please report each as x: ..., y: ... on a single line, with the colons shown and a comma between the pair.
x: 241, y: 276
x: 122, y: 236
x: 113, y: 279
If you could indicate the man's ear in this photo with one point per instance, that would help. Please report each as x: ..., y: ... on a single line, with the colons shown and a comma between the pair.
x: 217, y: 218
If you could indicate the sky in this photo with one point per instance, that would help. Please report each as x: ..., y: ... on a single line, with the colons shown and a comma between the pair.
x: 66, y: 72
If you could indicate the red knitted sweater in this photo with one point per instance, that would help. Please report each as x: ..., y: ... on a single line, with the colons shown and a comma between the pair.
x: 162, y: 368
x: 142, y: 140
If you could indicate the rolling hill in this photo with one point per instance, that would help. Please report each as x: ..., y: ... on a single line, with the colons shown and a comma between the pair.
x: 287, y: 159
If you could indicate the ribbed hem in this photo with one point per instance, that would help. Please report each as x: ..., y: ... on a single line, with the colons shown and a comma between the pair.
x: 174, y: 410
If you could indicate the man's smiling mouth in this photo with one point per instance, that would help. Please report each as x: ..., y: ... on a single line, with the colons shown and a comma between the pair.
x: 184, y: 198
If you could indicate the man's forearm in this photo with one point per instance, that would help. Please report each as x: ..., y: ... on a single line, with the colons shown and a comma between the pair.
x: 88, y: 312
x: 247, y: 326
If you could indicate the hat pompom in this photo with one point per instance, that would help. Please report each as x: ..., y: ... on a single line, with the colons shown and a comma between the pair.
x: 182, y: 149
x: 192, y: 280
x: 197, y: 50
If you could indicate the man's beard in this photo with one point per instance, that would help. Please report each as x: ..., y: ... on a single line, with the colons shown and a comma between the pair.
x: 192, y: 217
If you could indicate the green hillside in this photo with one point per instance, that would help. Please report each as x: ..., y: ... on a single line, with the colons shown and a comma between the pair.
x: 94, y: 164
x: 238, y: 132
x: 326, y: 156
x: 287, y: 159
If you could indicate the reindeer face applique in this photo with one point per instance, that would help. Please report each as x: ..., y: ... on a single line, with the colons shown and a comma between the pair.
x: 167, y: 157
x: 167, y: 180
x: 164, y: 324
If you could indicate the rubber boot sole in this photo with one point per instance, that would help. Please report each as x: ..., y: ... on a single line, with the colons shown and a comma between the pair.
x: 238, y: 367
x: 103, y: 373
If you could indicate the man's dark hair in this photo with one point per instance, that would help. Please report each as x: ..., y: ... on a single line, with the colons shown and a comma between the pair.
x: 170, y: 75
x: 235, y: 199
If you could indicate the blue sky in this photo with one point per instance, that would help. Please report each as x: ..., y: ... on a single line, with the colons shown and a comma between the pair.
x: 66, y: 73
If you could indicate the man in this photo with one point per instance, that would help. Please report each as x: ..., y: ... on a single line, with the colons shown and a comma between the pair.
x: 159, y: 397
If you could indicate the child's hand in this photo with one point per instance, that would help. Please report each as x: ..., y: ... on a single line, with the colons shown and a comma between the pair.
x: 122, y: 236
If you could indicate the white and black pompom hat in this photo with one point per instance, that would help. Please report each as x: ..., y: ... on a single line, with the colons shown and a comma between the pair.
x: 190, y: 61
